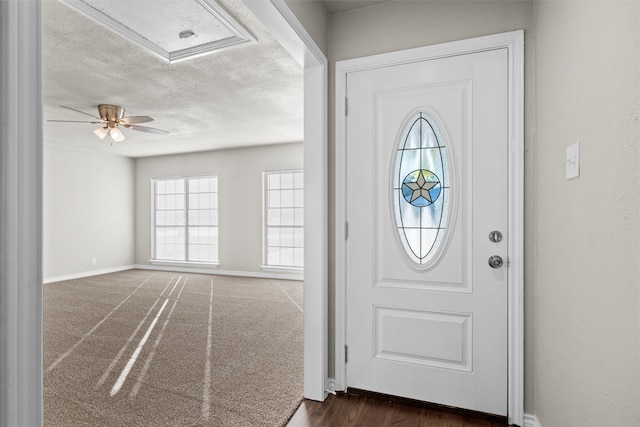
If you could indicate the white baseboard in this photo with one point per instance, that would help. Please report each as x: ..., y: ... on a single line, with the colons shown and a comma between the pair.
x: 216, y: 271
x: 88, y: 274
x: 531, y: 421
x: 196, y: 270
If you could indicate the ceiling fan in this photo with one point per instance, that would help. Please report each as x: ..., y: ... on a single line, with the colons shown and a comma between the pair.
x: 111, y: 118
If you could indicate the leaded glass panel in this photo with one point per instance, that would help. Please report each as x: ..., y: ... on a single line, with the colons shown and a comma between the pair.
x: 421, y: 189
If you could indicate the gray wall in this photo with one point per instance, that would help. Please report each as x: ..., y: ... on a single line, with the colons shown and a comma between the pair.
x: 585, y: 248
x: 239, y: 197
x: 88, y: 211
x: 582, y: 73
x: 98, y: 205
x: 313, y: 17
x: 407, y: 24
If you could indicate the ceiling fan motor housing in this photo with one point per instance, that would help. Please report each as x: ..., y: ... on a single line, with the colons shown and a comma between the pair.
x: 111, y: 113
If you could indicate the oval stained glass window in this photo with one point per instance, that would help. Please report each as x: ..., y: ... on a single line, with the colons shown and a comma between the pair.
x: 421, y: 189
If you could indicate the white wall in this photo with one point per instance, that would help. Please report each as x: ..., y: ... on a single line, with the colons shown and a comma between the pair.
x: 239, y: 197
x: 586, y: 244
x: 406, y: 24
x: 88, y: 211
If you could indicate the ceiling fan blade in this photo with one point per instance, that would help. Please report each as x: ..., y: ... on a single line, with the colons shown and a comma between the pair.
x: 79, y: 111
x: 135, y: 119
x: 77, y: 121
x: 147, y: 129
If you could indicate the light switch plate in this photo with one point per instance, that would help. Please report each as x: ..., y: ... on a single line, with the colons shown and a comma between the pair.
x: 573, y: 161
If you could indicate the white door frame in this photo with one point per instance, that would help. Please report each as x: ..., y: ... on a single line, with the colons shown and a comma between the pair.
x: 276, y: 16
x: 514, y: 42
x: 21, y: 203
x: 21, y: 213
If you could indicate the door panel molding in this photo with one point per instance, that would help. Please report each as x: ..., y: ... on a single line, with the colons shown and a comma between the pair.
x: 445, y: 277
x: 453, y: 328
x: 514, y: 43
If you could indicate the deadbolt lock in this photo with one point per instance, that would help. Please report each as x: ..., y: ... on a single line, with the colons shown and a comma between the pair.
x: 495, y: 236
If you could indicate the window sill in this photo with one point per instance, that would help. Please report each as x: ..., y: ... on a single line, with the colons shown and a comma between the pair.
x: 273, y: 269
x: 184, y: 263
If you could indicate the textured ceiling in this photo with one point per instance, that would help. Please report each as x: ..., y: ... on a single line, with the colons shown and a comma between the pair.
x: 250, y: 95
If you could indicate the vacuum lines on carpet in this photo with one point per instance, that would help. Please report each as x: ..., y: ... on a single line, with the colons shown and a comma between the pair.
x: 207, y: 343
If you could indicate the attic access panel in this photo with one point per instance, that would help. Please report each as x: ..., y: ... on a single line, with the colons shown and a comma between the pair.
x: 164, y: 26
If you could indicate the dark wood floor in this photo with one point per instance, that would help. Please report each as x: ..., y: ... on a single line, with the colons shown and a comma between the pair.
x: 354, y: 410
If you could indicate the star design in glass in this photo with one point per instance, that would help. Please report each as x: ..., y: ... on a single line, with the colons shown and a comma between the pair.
x: 421, y: 188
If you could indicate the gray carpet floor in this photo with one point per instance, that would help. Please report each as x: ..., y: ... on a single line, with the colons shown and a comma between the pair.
x: 142, y: 348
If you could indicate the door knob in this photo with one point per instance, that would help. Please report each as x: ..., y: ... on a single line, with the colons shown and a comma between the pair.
x: 495, y: 261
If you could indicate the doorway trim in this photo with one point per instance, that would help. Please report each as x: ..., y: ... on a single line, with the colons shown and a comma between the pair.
x: 21, y: 148
x: 281, y: 22
x: 21, y: 213
x: 514, y: 43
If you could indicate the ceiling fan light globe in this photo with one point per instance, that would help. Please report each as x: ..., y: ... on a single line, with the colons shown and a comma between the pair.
x: 101, y: 132
x: 116, y: 134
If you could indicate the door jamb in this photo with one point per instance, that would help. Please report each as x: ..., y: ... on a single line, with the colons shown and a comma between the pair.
x: 21, y: 213
x: 281, y: 22
x: 514, y: 42
x: 21, y: 148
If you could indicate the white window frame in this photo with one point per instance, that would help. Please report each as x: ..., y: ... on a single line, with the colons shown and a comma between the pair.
x: 265, y: 200
x: 185, y: 262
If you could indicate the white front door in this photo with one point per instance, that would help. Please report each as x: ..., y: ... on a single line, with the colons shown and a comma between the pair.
x: 426, y: 188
